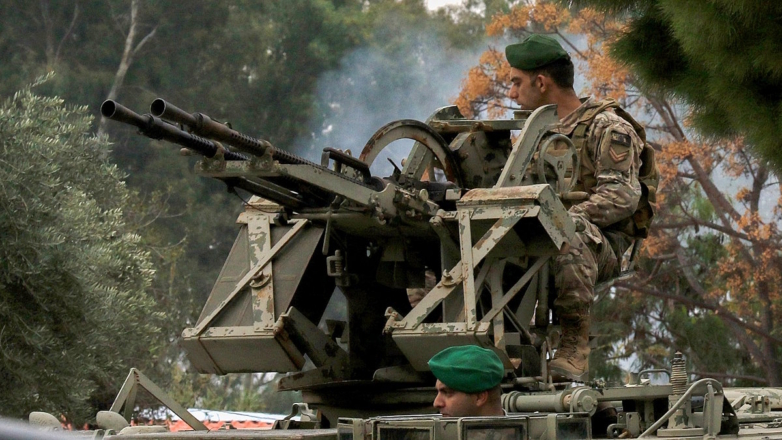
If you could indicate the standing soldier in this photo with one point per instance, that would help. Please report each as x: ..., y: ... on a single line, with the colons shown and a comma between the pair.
x: 610, y: 146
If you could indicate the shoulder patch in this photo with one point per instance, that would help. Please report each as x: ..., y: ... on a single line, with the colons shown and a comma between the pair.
x: 621, y: 139
x: 616, y: 150
x: 617, y: 154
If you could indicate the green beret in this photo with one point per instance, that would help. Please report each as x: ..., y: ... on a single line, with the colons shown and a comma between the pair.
x: 535, y: 52
x: 467, y: 368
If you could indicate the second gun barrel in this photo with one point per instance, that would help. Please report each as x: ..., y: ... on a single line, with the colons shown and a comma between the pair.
x: 203, y: 125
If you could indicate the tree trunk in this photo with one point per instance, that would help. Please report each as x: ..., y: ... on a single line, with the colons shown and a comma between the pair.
x: 127, y: 58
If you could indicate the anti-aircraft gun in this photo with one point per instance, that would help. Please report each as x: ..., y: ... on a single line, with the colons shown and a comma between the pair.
x: 467, y: 205
x: 319, y: 228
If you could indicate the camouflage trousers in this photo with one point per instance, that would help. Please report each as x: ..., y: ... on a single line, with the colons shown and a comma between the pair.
x: 589, y: 260
x: 416, y: 294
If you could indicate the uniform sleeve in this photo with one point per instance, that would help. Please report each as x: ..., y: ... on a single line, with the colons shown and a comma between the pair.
x: 615, y: 149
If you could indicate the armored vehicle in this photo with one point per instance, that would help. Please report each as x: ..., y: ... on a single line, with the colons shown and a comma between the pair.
x: 481, y: 209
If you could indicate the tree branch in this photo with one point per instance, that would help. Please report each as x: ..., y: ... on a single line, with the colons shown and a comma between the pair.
x: 572, y: 46
x: 688, y: 275
x: 144, y: 41
x: 718, y: 310
x: 750, y: 345
x: 127, y: 58
x: 767, y: 320
x: 655, y: 362
x: 713, y: 375
x: 67, y: 33
x: 668, y: 118
x: 48, y: 26
x: 760, y: 178
x: 715, y: 196
x: 700, y: 223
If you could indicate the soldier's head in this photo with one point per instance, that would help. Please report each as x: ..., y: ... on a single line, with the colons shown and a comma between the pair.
x: 541, y: 70
x: 468, y: 381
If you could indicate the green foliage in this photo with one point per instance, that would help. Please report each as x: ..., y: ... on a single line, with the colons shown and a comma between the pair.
x: 702, y: 208
x: 712, y: 347
x: 723, y: 57
x: 247, y: 62
x: 648, y: 330
x: 74, y: 311
x: 235, y: 392
x: 706, y: 249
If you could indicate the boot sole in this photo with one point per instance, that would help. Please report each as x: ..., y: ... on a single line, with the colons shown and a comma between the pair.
x: 565, y: 374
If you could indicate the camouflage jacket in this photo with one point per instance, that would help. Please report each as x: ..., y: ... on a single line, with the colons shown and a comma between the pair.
x: 610, y: 161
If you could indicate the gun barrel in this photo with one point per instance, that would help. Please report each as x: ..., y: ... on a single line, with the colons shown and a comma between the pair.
x: 291, y: 187
x: 203, y: 125
x: 156, y: 128
x: 118, y: 112
x: 165, y: 110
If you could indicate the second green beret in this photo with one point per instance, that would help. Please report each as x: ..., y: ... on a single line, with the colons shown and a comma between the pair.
x: 468, y: 368
x: 535, y: 52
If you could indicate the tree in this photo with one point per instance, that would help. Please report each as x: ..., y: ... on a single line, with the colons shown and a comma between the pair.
x: 92, y: 62
x: 235, y: 392
x: 75, y: 313
x: 708, y: 282
x: 232, y: 60
x: 132, y: 46
x: 722, y: 57
x: 241, y: 61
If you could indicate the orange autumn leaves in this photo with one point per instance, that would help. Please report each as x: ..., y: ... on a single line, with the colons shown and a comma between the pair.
x: 485, y: 88
x: 516, y: 20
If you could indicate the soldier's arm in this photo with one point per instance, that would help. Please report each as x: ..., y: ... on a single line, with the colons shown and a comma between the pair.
x: 615, y: 148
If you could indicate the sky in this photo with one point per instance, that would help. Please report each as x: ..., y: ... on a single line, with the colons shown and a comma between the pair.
x: 435, y: 4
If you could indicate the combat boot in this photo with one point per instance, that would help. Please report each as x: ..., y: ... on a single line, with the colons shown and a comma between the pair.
x: 571, y: 361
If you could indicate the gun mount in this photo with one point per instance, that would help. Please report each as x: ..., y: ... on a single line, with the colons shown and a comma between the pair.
x: 315, y: 228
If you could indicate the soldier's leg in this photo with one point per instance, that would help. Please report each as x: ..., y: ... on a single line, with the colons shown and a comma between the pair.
x: 589, y: 259
x: 575, y: 275
x: 416, y: 294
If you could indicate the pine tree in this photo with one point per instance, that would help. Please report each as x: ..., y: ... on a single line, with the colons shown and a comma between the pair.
x: 723, y: 57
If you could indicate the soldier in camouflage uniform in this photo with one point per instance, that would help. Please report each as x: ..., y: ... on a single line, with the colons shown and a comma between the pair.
x: 609, y: 148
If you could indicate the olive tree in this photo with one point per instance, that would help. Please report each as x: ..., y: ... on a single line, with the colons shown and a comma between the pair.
x: 74, y: 308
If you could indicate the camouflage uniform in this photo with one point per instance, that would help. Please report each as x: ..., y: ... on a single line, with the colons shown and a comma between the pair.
x: 610, y: 145
x: 610, y: 161
x: 416, y: 294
